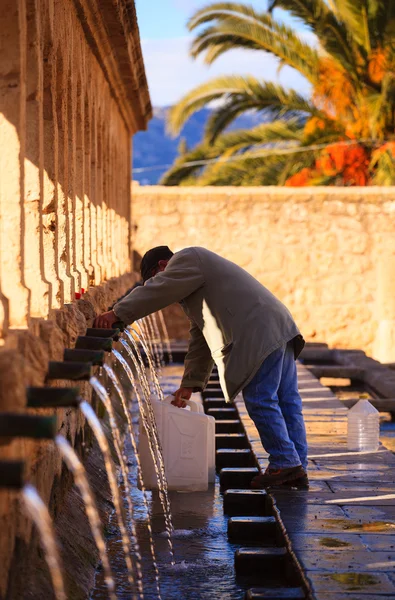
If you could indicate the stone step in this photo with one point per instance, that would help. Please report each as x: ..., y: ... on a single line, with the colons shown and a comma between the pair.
x: 217, y: 393
x: 231, y: 440
x: 254, y: 529
x: 237, y: 478
x: 213, y: 385
x: 238, y: 503
x: 229, y: 426
x: 215, y: 403
x: 265, y: 561
x: 261, y: 593
x: 233, y: 457
x: 221, y: 414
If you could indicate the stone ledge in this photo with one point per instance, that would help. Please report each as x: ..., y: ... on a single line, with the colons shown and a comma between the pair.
x: 111, y: 31
x: 375, y: 194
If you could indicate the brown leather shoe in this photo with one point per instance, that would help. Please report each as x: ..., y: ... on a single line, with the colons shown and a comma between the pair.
x: 302, y: 483
x: 273, y: 477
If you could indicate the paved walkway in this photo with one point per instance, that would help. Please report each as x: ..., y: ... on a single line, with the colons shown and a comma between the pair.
x: 343, y: 529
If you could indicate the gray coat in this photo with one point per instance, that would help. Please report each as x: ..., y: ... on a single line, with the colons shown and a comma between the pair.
x: 235, y: 321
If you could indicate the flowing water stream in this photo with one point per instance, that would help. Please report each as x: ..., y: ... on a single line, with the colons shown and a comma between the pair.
x: 112, y: 479
x: 39, y: 514
x: 165, y: 336
x: 118, y: 387
x: 77, y: 468
x: 157, y: 338
x: 123, y: 463
x: 145, y: 346
x: 153, y: 439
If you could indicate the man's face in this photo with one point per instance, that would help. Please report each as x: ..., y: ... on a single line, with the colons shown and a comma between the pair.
x: 161, y: 266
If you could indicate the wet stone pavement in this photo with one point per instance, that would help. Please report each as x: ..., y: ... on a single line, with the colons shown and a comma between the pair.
x: 342, y: 530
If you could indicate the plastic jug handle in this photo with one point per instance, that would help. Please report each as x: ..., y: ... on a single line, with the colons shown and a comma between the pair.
x: 193, y: 405
x: 169, y: 399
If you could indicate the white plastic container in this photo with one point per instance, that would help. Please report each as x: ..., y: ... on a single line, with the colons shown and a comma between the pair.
x: 188, y: 443
x: 363, y: 427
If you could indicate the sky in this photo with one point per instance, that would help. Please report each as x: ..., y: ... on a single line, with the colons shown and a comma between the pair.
x: 171, y: 73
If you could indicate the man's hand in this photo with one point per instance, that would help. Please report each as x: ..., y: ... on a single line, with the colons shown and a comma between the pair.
x: 106, y: 320
x: 180, y: 395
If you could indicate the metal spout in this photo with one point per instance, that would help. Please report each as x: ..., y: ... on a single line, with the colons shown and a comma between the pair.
x: 86, y: 342
x: 49, y: 397
x: 104, y: 333
x: 29, y: 426
x: 96, y: 357
x: 76, y: 371
x: 12, y: 474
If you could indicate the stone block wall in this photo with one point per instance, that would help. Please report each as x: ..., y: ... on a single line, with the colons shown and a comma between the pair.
x: 72, y: 93
x: 327, y: 253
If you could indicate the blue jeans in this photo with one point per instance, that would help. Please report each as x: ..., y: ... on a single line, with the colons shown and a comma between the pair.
x: 274, y: 404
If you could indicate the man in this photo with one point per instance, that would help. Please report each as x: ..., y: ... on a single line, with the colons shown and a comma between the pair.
x: 250, y: 335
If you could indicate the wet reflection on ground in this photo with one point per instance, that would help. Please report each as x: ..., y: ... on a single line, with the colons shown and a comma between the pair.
x: 204, y: 558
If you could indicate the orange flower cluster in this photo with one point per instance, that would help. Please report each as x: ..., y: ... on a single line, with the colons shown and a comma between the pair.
x: 350, y: 164
x: 301, y: 179
x: 333, y: 93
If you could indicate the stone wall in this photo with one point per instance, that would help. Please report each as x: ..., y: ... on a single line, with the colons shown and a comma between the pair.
x: 72, y: 93
x: 327, y: 253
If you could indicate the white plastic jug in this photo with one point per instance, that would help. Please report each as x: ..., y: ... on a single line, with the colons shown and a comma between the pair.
x: 197, y: 406
x: 363, y: 427
x: 188, y: 442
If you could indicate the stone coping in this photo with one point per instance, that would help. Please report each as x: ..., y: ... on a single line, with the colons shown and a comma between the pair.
x: 112, y: 32
x: 375, y: 194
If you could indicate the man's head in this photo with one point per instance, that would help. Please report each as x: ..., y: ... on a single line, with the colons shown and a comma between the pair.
x: 155, y: 260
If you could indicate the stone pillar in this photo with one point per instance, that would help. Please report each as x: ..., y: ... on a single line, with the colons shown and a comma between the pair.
x: 51, y: 159
x: 34, y: 166
x: 14, y: 296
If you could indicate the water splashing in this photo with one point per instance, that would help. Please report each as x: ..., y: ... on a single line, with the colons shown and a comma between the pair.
x: 123, y: 462
x: 153, y: 438
x: 117, y: 385
x: 104, y: 447
x: 76, y: 467
x: 38, y: 512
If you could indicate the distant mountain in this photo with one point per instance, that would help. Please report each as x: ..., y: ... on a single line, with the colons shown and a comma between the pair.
x: 155, y: 148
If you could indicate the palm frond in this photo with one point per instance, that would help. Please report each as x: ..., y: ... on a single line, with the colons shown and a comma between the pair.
x: 251, y: 168
x: 240, y: 26
x: 331, y: 32
x: 355, y: 17
x: 383, y: 167
x: 229, y: 144
x: 381, y: 106
x: 253, y: 94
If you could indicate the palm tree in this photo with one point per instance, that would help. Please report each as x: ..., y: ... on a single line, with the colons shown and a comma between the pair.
x: 344, y: 133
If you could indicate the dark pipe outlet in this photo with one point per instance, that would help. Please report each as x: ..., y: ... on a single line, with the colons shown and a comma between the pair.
x: 85, y: 342
x: 104, y: 333
x: 76, y: 371
x: 96, y: 357
x: 119, y: 325
x: 29, y: 426
x: 12, y: 474
x: 49, y: 397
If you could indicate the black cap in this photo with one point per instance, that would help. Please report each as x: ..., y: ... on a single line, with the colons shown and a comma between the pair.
x: 151, y: 259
